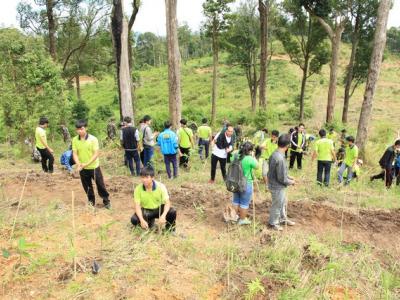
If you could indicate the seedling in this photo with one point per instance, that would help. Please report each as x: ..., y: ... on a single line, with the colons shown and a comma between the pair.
x: 22, y: 249
x: 103, y: 233
x: 254, y: 288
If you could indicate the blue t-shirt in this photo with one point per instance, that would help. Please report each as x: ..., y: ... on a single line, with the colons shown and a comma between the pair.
x: 168, y: 142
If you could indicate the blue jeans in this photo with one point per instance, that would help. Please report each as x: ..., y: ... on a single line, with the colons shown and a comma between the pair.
x: 324, y: 167
x: 277, y: 211
x: 130, y: 156
x: 243, y: 199
x: 203, y: 144
x: 168, y: 159
x: 343, y: 168
x: 147, y: 155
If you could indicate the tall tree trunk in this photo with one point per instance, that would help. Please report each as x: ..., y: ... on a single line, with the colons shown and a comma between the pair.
x: 215, y: 73
x: 263, y: 9
x: 350, y: 68
x: 335, y: 41
x: 373, y: 73
x: 174, y: 73
x: 78, y: 87
x: 303, y: 88
x: 52, y: 28
x: 119, y: 28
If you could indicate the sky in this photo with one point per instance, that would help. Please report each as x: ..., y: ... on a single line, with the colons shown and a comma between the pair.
x: 151, y: 16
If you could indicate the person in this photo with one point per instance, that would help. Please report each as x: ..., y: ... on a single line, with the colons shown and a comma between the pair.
x: 350, y: 160
x: 332, y: 135
x: 298, y: 146
x: 205, y: 137
x: 131, y: 143
x: 168, y: 142
x: 148, y: 141
x: 397, y: 168
x: 324, y: 151
x: 185, y: 142
x: 141, y: 127
x: 260, y: 136
x: 239, y: 135
x: 85, y: 149
x: 290, y: 131
x: 222, y: 145
x: 267, y: 148
x: 67, y: 160
x: 356, y: 171
x: 152, y: 202
x: 386, y: 163
x: 111, y: 129
x: 41, y: 145
x: 65, y: 133
x: 278, y: 181
x: 241, y: 200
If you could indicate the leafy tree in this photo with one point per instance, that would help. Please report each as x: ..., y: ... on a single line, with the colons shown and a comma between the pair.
x: 242, y: 42
x: 217, y: 15
x: 393, y: 40
x: 304, y: 40
x: 80, y: 110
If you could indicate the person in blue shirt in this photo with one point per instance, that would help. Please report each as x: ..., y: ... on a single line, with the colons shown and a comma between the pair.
x: 168, y: 142
x: 397, y: 168
x: 67, y: 160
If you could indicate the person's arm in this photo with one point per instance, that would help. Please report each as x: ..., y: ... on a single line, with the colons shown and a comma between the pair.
x: 314, y: 155
x: 282, y: 175
x: 192, y: 140
x: 45, y: 144
x: 138, y: 211
x: 92, y: 159
x: 355, y: 160
x: 67, y: 164
x: 167, y: 205
x: 333, y: 155
x: 76, y: 160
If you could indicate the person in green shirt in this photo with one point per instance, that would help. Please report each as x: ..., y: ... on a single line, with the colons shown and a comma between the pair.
x: 85, y: 149
x: 325, y: 152
x: 332, y: 135
x: 45, y: 151
x: 298, y: 146
x: 152, y: 202
x: 186, y: 142
x: 241, y: 200
x: 350, y: 160
x: 205, y: 137
x: 267, y: 148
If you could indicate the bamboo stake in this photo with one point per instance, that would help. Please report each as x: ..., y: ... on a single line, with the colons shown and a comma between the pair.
x: 73, y: 231
x: 19, y: 205
x: 254, y: 214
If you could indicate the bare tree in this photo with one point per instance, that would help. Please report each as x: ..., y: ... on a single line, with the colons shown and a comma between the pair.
x: 52, y: 28
x: 373, y: 73
x: 263, y: 7
x: 174, y: 73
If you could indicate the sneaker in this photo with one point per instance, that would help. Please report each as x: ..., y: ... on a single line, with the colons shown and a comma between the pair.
x: 288, y: 222
x: 108, y: 206
x: 244, y: 222
x: 211, y: 181
x: 275, y: 227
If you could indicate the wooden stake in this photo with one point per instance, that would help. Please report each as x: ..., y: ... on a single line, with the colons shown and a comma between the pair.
x: 19, y: 205
x: 73, y: 231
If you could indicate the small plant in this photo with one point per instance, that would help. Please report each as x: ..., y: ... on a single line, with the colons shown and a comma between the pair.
x: 254, y: 288
x: 23, y: 249
x: 103, y: 233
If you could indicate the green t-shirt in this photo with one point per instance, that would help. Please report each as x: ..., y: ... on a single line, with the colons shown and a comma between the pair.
x: 324, y: 148
x: 332, y: 136
x: 351, y: 155
x: 204, y: 132
x: 40, y: 132
x: 85, y: 149
x: 152, y: 199
x: 184, y: 135
x: 270, y: 147
x: 248, y: 164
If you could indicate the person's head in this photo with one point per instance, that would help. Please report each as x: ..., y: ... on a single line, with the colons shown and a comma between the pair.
x: 274, y: 135
x: 301, y: 127
x: 183, y: 122
x: 265, y: 130
x: 147, y: 176
x: 80, y: 126
x: 204, y: 120
x: 147, y: 119
x: 245, y: 149
x: 141, y: 121
x: 350, y: 140
x: 127, y: 120
x: 284, y: 142
x: 43, y: 122
x: 322, y: 133
x: 229, y: 130
x: 344, y: 131
x: 331, y: 129
x: 291, y: 130
x: 397, y: 145
x: 167, y: 125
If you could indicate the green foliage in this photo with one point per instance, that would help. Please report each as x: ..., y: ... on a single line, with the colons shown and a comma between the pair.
x: 254, y: 288
x: 80, y: 110
x: 23, y: 248
x: 393, y: 40
x: 103, y: 112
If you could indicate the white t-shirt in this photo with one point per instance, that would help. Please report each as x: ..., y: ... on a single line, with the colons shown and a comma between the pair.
x: 221, y: 153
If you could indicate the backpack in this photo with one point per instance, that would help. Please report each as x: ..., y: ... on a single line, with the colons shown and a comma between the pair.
x: 36, y: 157
x: 235, y: 181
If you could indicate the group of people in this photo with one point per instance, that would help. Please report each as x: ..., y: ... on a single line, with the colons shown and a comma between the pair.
x: 262, y: 157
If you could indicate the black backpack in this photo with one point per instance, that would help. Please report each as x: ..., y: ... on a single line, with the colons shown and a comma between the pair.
x: 235, y: 181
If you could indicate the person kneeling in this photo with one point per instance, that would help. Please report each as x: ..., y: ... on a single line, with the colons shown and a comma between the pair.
x: 152, y: 202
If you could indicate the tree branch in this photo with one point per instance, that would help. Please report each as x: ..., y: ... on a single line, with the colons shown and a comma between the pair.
x: 132, y: 19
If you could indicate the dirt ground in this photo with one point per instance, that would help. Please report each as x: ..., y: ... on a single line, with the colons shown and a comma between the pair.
x: 376, y: 228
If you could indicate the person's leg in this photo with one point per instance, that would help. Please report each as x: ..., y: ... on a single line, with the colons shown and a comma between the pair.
x: 397, y: 175
x: 86, y: 179
x: 136, y: 158
x: 245, y: 199
x: 265, y: 171
x: 142, y: 157
x: 101, y: 187
x: 388, y: 177
x: 320, y: 168
x: 327, y: 175
x: 182, y: 157
x: 200, y: 144
x: 381, y: 175
x: 170, y: 217
x: 214, y: 161
x: 207, y: 147
x: 174, y: 165
x: 274, y: 211
x: 129, y: 158
x: 282, y: 203
x: 299, y: 159
x: 222, y: 163
x: 349, y: 174
x: 51, y: 161
x: 340, y: 172
x: 150, y: 156
x: 43, y: 154
x: 167, y: 160
x: 292, y: 159
x: 185, y: 157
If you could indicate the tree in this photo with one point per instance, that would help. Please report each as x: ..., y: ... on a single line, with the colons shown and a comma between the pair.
x: 263, y: 7
x: 174, y: 72
x: 304, y: 41
x: 393, y: 40
x: 363, y: 15
x: 120, y: 34
x: 217, y: 14
x: 373, y: 72
x: 332, y: 15
x: 243, y: 43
